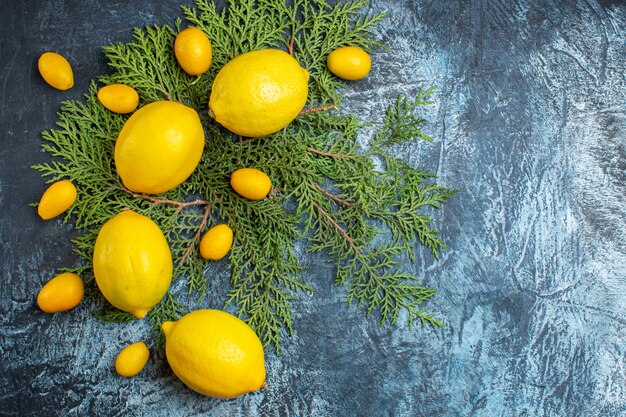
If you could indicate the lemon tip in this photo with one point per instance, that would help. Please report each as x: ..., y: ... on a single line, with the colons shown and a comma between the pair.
x: 139, y: 313
x: 166, y: 326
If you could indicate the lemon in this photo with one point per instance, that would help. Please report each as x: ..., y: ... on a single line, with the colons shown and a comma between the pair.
x: 215, y: 353
x: 56, y: 70
x: 216, y: 242
x: 193, y: 52
x: 132, y: 359
x: 63, y: 292
x: 159, y: 147
x: 259, y: 92
x: 251, y: 183
x: 119, y: 98
x: 350, y: 63
x: 132, y: 263
x: 57, y: 198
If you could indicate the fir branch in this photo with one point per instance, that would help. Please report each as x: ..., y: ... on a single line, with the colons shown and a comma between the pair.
x: 332, y: 196
x: 112, y: 315
x: 401, y: 124
x: 242, y: 26
x: 396, y: 197
x: 328, y: 192
x: 148, y: 64
x: 336, y: 225
x: 264, y: 269
x: 319, y: 28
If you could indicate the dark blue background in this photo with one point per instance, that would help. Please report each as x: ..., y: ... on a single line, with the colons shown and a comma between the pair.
x: 529, y: 125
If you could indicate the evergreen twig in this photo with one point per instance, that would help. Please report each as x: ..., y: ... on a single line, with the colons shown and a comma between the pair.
x: 328, y: 193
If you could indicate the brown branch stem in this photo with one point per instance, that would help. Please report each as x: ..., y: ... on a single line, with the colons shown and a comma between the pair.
x: 320, y: 108
x: 332, y: 196
x: 205, y: 217
x: 333, y: 155
x: 179, y: 204
x: 290, y: 47
x: 334, y: 223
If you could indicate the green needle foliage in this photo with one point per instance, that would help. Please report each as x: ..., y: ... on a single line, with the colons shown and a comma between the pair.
x: 328, y: 191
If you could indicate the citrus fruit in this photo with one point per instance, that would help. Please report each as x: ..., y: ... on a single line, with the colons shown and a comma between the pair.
x: 119, y: 98
x: 57, y: 198
x: 56, y: 70
x: 132, y: 263
x: 215, y: 353
x: 63, y: 292
x: 259, y: 92
x: 159, y: 147
x: 250, y: 183
x: 132, y: 359
x: 193, y: 52
x: 350, y: 63
x: 216, y: 242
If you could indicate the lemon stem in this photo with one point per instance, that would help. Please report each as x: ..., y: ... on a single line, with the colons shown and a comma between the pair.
x: 274, y: 191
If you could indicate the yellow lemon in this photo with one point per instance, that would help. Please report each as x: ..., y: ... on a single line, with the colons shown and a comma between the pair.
x: 216, y: 242
x: 193, y: 51
x: 215, y: 353
x: 250, y: 183
x: 132, y: 359
x: 56, y: 70
x: 119, y: 98
x: 159, y: 147
x: 350, y: 63
x: 57, y: 198
x: 259, y: 92
x: 132, y: 263
x: 63, y: 292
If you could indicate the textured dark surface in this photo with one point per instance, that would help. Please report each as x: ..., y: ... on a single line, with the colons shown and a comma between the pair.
x: 529, y: 124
